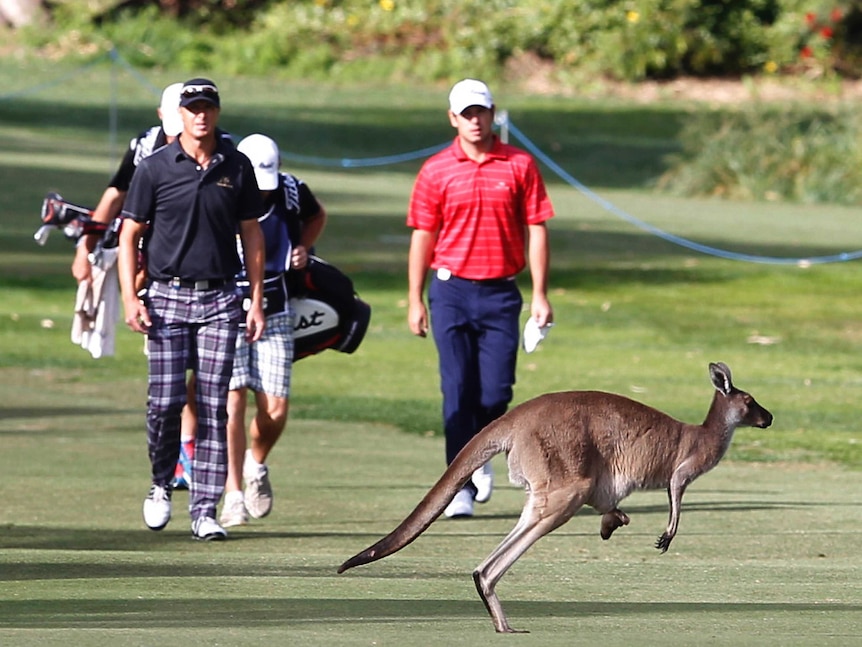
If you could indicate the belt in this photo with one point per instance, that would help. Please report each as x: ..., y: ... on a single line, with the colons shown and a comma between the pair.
x: 445, y: 275
x: 205, y: 284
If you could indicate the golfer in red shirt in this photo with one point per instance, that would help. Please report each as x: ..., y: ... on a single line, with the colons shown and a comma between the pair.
x: 478, y: 213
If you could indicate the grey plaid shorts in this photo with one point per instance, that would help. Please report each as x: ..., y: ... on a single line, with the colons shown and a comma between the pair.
x: 265, y: 366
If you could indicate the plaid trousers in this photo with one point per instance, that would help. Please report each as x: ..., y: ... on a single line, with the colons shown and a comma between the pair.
x: 197, y: 330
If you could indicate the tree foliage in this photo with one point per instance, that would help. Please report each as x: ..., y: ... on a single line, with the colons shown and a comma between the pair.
x: 623, y: 39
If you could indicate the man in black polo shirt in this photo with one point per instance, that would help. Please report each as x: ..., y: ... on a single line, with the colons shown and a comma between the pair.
x: 193, y: 196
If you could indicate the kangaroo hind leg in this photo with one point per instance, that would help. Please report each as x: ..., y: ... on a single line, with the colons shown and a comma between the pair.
x: 541, y: 515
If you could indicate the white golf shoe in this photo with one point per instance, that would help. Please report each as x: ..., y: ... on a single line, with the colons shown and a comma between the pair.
x: 208, y: 529
x: 461, y: 506
x: 483, y: 479
x: 157, y: 507
x: 233, y: 512
x: 258, y: 489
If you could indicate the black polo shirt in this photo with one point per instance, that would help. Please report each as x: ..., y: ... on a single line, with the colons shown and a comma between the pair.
x: 193, y: 214
x: 150, y: 140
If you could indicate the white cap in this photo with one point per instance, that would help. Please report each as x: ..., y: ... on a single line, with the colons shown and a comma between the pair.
x: 264, y: 156
x: 172, y: 123
x: 469, y: 92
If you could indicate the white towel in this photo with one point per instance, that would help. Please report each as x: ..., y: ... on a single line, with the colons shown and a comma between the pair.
x: 97, y: 307
x: 533, y: 334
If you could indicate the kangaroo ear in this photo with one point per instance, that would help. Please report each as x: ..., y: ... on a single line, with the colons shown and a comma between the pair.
x: 721, y: 379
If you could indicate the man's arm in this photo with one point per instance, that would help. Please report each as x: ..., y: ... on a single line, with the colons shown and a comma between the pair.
x: 137, y: 315
x: 418, y: 262
x: 312, y: 227
x: 108, y: 208
x: 539, y: 260
x: 253, y: 255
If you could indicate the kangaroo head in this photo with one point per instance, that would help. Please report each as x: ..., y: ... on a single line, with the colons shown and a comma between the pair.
x: 739, y: 407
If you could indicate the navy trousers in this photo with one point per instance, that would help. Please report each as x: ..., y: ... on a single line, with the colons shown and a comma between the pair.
x: 476, y: 330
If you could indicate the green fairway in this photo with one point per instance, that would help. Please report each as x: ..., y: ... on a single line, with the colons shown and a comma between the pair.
x: 768, y: 547
x: 765, y: 555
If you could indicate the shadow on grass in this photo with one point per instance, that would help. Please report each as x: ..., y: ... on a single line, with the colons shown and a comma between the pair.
x: 414, y: 416
x: 87, y: 570
x: 581, y: 259
x: 191, y: 612
x: 91, y: 540
x: 34, y: 537
x: 25, y: 413
x: 736, y: 506
x: 597, y: 145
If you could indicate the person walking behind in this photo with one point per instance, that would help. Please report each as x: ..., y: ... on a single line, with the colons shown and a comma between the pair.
x: 193, y: 196
x: 111, y: 202
x: 478, y: 211
x: 108, y: 209
x: 293, y: 221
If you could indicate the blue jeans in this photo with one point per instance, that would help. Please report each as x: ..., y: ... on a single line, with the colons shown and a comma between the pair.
x: 476, y: 330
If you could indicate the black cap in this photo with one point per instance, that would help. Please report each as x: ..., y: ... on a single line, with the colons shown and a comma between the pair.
x: 199, y: 90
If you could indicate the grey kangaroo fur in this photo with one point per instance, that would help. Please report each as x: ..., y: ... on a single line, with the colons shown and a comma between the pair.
x: 578, y: 448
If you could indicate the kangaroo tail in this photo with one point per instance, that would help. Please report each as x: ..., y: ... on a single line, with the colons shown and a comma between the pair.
x: 489, y: 442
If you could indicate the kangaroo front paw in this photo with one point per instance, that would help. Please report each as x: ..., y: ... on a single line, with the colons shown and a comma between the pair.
x: 663, y: 542
x: 613, y: 520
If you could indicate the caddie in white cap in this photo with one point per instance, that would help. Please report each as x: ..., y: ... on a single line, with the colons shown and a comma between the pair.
x: 107, y: 210
x: 169, y: 110
x: 469, y: 92
x: 293, y: 220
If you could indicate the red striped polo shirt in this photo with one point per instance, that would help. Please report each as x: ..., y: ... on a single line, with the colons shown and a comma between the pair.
x: 481, y: 210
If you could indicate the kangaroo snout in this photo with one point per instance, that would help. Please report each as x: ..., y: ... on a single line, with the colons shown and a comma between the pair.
x: 757, y: 415
x: 766, y: 422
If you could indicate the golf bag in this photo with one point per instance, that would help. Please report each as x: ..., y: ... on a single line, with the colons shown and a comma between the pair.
x: 73, y: 219
x: 328, y: 312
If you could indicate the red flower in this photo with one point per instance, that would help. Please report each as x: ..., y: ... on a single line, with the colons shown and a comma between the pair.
x: 826, y: 32
x: 835, y: 15
x: 810, y: 19
x: 806, y: 52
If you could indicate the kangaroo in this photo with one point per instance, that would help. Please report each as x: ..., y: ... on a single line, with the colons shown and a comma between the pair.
x: 577, y: 448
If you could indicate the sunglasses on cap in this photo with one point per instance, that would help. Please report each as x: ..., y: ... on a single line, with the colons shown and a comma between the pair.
x: 195, y: 90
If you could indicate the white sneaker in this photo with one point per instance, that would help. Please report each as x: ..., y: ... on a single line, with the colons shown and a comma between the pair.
x: 157, y: 507
x: 483, y: 479
x: 208, y: 529
x: 258, y: 489
x: 233, y: 512
x: 461, y: 505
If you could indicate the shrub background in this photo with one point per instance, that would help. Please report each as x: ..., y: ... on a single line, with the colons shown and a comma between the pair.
x: 771, y: 153
x: 442, y: 39
x: 760, y: 152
